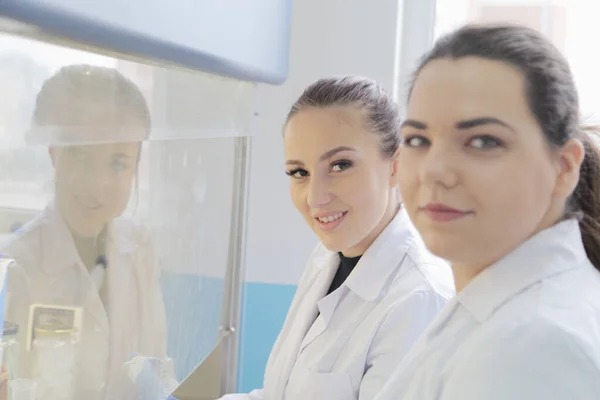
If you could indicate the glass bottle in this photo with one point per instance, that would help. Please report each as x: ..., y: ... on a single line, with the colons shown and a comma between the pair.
x: 54, y: 348
x: 10, y: 348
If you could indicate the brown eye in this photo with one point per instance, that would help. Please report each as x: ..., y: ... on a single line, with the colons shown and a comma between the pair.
x: 339, y: 166
x: 484, y: 142
x: 297, y: 173
x: 415, y: 141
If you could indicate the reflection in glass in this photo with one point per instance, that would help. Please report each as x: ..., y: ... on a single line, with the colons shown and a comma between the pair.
x: 85, y: 290
x: 117, y: 188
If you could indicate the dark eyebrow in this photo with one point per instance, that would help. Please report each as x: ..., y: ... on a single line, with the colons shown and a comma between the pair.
x: 332, y: 152
x: 467, y: 124
x: 414, y: 124
x: 324, y: 156
x: 475, y: 122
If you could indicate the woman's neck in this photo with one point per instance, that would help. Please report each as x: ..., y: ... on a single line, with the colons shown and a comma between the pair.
x: 362, y: 247
x: 89, y: 248
x: 464, y: 274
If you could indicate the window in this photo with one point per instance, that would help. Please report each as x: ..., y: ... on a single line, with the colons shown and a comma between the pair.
x: 571, y: 25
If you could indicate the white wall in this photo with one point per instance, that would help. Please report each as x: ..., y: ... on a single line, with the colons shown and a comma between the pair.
x: 329, y: 37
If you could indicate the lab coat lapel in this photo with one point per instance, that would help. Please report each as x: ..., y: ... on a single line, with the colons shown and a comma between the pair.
x: 303, y: 314
x: 314, y: 331
x: 60, y: 256
x: 95, y: 308
x: 123, y: 296
x: 351, y: 323
x: 317, y: 322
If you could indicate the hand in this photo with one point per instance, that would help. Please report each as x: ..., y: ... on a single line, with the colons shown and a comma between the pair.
x: 4, y: 384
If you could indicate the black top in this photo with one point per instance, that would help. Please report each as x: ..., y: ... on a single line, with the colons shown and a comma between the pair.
x: 344, y: 270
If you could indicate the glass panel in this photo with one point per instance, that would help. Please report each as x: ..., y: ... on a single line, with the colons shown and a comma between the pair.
x: 116, y: 204
x: 569, y: 24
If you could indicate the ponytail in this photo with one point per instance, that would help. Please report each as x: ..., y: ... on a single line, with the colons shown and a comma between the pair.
x: 586, y: 197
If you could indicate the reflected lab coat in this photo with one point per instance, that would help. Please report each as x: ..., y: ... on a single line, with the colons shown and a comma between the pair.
x: 526, y: 328
x: 50, y: 271
x: 344, y: 345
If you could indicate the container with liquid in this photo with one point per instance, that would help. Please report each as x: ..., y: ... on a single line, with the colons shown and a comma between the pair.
x: 10, y: 348
x: 54, y: 353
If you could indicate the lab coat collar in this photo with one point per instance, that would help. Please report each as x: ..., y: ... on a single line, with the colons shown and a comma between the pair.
x: 550, y: 252
x: 59, y: 253
x: 369, y: 278
x: 380, y: 261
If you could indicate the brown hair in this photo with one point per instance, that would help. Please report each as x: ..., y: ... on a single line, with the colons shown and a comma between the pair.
x: 585, y: 200
x: 552, y: 98
x: 381, y: 111
x: 82, y: 90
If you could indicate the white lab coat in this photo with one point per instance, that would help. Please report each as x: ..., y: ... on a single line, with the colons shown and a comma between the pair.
x: 527, y: 327
x: 50, y: 271
x: 364, y: 328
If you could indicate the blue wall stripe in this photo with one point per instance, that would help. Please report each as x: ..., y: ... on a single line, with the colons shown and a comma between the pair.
x: 264, y: 309
x: 193, y: 307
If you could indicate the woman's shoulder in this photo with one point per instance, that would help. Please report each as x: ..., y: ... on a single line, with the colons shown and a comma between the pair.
x: 532, y: 356
x: 424, y: 272
x: 27, y: 238
x: 130, y: 235
x: 537, y: 341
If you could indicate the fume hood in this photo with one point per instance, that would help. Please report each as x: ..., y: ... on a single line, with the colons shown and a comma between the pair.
x: 124, y: 134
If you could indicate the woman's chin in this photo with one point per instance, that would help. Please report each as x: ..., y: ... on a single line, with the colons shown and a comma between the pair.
x: 85, y: 229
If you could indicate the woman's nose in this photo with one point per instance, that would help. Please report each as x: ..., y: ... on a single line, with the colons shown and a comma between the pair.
x: 438, y: 167
x: 319, y: 193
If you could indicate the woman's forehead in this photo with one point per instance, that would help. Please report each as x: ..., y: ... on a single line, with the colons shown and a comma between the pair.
x: 312, y: 133
x: 468, y: 87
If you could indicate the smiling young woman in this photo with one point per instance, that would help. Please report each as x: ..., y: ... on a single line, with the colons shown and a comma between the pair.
x: 370, y: 287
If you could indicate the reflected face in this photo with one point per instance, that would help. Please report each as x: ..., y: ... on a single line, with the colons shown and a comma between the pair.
x: 93, y: 183
x: 339, y: 180
x: 475, y: 171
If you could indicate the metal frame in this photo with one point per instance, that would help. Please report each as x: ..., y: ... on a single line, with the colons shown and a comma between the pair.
x: 415, y: 33
x: 232, y: 299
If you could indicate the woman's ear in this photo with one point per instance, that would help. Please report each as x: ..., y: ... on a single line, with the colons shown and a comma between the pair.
x: 569, y: 162
x: 394, y: 169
